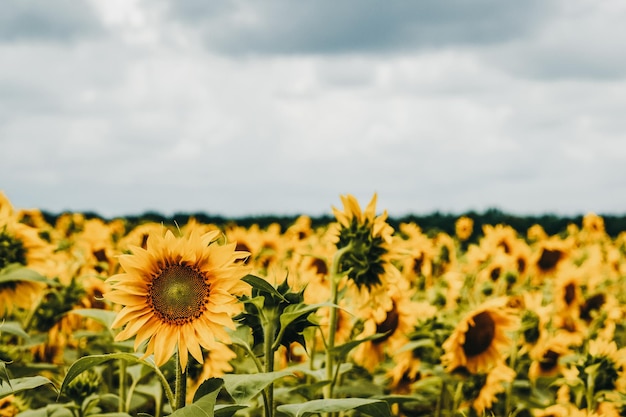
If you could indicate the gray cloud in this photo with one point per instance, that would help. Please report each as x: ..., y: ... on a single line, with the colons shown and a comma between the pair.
x: 287, y: 27
x: 47, y: 20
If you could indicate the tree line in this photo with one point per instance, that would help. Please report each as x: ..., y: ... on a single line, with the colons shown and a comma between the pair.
x: 430, y: 223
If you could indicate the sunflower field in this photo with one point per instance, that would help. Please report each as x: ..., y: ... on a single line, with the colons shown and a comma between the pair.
x: 355, y: 317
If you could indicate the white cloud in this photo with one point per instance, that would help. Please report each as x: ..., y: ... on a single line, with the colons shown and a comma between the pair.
x: 148, y: 117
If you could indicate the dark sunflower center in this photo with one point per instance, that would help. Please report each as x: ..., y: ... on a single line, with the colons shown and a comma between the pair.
x: 570, y: 293
x: 592, y: 304
x: 179, y: 294
x: 548, y: 259
x: 11, y: 250
x: 319, y: 266
x: 390, y: 324
x: 479, y: 335
x: 549, y: 360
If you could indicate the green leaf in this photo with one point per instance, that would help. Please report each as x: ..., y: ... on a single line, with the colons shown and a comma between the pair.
x: 18, y: 272
x: 319, y: 374
x: 4, y: 374
x: 23, y: 384
x: 375, y: 408
x: 208, y: 386
x: 342, y: 351
x: 104, y: 317
x: 204, y: 407
x: 417, y: 344
x: 240, y: 337
x: 87, y: 362
x: 243, y: 388
x: 263, y: 286
x: 227, y: 410
x: 295, y: 311
x: 14, y: 328
x: 115, y: 414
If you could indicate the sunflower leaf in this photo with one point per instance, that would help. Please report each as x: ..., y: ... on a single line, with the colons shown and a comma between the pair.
x: 23, y: 384
x: 14, y: 328
x: 207, y: 387
x: 17, y: 272
x: 343, y: 350
x: 243, y: 388
x: 104, y: 317
x: 87, y: 362
x: 203, y: 407
x: 227, y: 410
x: 263, y: 286
x: 295, y: 311
x: 366, y: 406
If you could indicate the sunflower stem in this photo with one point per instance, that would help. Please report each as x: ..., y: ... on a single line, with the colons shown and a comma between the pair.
x: 512, y: 365
x: 122, y: 387
x: 268, y: 334
x: 180, y: 388
x: 335, y: 276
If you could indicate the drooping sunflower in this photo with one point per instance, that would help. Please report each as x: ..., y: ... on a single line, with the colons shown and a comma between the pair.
x: 178, y: 293
x: 368, y: 262
x: 398, y: 323
x: 546, y: 357
x: 481, y: 338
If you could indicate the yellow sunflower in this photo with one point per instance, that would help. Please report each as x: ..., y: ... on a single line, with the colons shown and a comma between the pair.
x: 368, y: 262
x: 178, y: 293
x: 480, y: 339
x: 546, y: 357
x: 495, y: 383
x: 398, y: 323
x: 463, y: 227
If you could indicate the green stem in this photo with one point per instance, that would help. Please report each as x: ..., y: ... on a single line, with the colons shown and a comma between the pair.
x: 335, y: 276
x: 180, y: 388
x: 591, y: 406
x: 122, y: 387
x: 269, y: 331
x: 512, y: 365
x: 440, y: 399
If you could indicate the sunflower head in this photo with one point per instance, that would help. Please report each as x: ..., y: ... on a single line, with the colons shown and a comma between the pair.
x: 463, y: 227
x: 85, y: 384
x: 602, y: 364
x: 480, y: 339
x: 178, y: 293
x: 367, y: 238
x: 12, y: 250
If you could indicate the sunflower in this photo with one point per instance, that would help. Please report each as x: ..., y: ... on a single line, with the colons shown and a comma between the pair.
x: 419, y: 254
x: 178, y: 293
x: 603, y: 364
x: 20, y: 244
x: 495, y: 383
x: 546, y: 358
x: 398, y: 323
x: 463, y: 228
x: 480, y: 339
x: 368, y: 260
x: 593, y: 227
x: 548, y: 256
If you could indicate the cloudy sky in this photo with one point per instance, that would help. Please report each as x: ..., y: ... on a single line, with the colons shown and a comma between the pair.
x: 278, y: 107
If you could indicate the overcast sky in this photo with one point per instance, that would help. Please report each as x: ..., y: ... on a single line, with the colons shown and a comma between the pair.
x: 278, y: 107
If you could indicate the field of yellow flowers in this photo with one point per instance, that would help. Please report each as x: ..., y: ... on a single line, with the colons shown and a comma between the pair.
x: 352, y: 318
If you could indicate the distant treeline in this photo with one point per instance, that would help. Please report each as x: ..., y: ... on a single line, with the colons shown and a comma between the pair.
x: 429, y: 223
